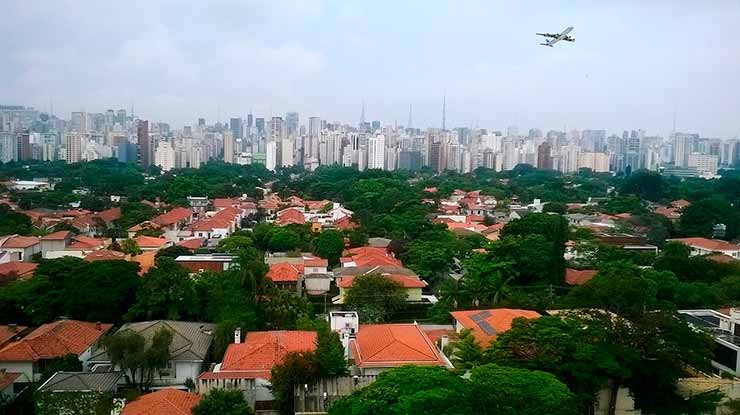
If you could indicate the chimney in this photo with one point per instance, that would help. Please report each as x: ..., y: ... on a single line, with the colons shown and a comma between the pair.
x: 98, y: 326
x: 444, y: 341
x: 238, y: 335
x: 12, y: 327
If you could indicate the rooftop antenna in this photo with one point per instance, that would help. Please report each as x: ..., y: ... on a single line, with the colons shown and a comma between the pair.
x: 362, y: 114
x: 444, y: 110
x: 674, y: 121
x: 410, y: 116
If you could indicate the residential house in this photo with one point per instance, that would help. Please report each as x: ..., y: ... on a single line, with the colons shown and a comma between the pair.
x: 162, y: 402
x: 291, y: 216
x: 411, y: 284
x: 106, y: 255
x: 198, y: 203
x: 579, y: 276
x: 30, y: 354
x: 380, y: 347
x: 188, y: 350
x: 367, y: 255
x: 151, y: 243
x: 55, y: 242
x: 246, y: 366
x: 487, y: 324
x: 192, y: 243
x: 206, y: 262
x: 10, y: 333
x: 11, y: 384
x: 174, y: 221
x: 20, y: 248
x: 88, y: 391
x: 724, y: 327
x: 704, y: 246
x: 143, y: 227
x: 12, y: 271
x: 285, y: 275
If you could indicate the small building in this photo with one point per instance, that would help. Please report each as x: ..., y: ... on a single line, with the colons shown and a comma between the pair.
x: 151, y: 243
x: 247, y: 366
x: 724, y: 327
x: 188, y: 351
x: 162, y: 402
x: 411, y: 284
x: 55, y: 242
x: 20, y: 248
x: 13, y: 271
x: 579, y: 276
x: 200, y: 263
x: 50, y: 341
x: 380, y: 347
x: 704, y: 246
x: 87, y: 391
x: 487, y: 324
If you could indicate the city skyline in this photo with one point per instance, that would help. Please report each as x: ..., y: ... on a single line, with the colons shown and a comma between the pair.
x: 632, y: 65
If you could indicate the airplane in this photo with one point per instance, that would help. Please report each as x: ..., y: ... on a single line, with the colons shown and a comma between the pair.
x: 555, y: 38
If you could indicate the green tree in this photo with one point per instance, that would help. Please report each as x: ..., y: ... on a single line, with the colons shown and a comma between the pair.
x: 223, y: 402
x: 129, y: 352
x: 698, y: 218
x: 173, y: 252
x: 646, y: 184
x: 296, y: 369
x: 284, y: 308
x: 130, y: 247
x: 168, y: 293
x: 12, y: 222
x: 235, y: 244
x: 329, y: 244
x: 329, y: 353
x: 554, y: 230
x: 510, y: 391
x: 374, y: 297
x: 467, y: 353
x: 67, y: 363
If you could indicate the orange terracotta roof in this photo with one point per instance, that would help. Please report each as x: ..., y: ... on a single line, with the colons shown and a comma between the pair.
x: 7, y: 379
x: 430, y: 189
x: 708, y: 244
x: 54, y: 340
x: 144, y: 225
x: 392, y: 345
x: 436, y: 334
x: 6, y: 333
x: 284, y: 272
x: 211, y: 224
x: 145, y: 260
x: 669, y: 213
x: 221, y: 203
x: 20, y: 242
x: 162, y: 402
x: 262, y: 350
x: 110, y: 215
x: 579, y: 277
x: 722, y: 259
x: 315, y: 205
x: 105, y: 255
x: 487, y: 324
x: 680, y: 203
x: 174, y: 216
x: 290, y: 216
x: 57, y: 236
x: 150, y: 241
x: 345, y: 224
x: 16, y: 270
x: 87, y: 242
x: 405, y: 280
x: 193, y: 243
x: 315, y: 262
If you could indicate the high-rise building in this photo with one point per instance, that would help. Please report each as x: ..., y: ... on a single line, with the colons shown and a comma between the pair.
x: 144, y: 144
x: 376, y: 152
x: 73, y: 147
x: 292, y: 122
x: 705, y: 164
x: 259, y: 124
x: 8, y: 147
x: 229, y: 146
x: 237, y: 128
x: 544, y: 156
x: 165, y: 156
x: 409, y: 160
x: 24, y: 146
x: 271, y: 155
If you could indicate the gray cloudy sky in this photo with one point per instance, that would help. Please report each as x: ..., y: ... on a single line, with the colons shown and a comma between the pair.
x: 633, y: 63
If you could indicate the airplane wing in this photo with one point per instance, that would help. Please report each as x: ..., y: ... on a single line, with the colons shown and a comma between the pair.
x: 557, y: 38
x: 547, y: 35
x: 566, y: 31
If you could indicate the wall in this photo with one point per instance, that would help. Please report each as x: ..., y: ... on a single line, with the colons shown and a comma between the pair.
x: 18, y: 367
x: 335, y: 388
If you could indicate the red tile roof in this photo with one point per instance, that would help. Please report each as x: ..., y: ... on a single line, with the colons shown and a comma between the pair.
x: 7, y: 379
x: 110, y: 215
x: 211, y: 224
x: 315, y: 262
x: 345, y: 224
x: 145, y: 260
x: 284, y: 272
x: 193, y: 243
x: 579, y: 277
x: 405, y: 280
x: 16, y: 270
x: 150, y: 241
x: 57, y: 236
x: 20, y: 242
x: 162, y: 402
x: 316, y: 205
x: 54, y: 340
x: 708, y: 244
x: 392, y: 345
x: 174, y: 216
x: 262, y: 350
x: 680, y: 203
x: 221, y: 203
x: 289, y: 216
x: 499, y: 320
x: 370, y: 256
x: 105, y: 255
x: 86, y: 242
x: 6, y: 333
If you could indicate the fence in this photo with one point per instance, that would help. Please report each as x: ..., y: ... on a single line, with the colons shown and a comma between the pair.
x: 311, y: 398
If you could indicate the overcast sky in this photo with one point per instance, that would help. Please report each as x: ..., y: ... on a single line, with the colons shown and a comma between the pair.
x: 633, y: 63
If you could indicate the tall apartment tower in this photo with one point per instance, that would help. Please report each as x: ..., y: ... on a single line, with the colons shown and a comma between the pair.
x: 144, y: 143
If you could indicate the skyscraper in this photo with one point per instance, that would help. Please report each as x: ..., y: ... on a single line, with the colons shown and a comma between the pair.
x: 73, y: 147
x: 544, y: 156
x: 292, y: 121
x: 229, y: 146
x: 237, y: 128
x: 144, y: 144
x: 376, y: 152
